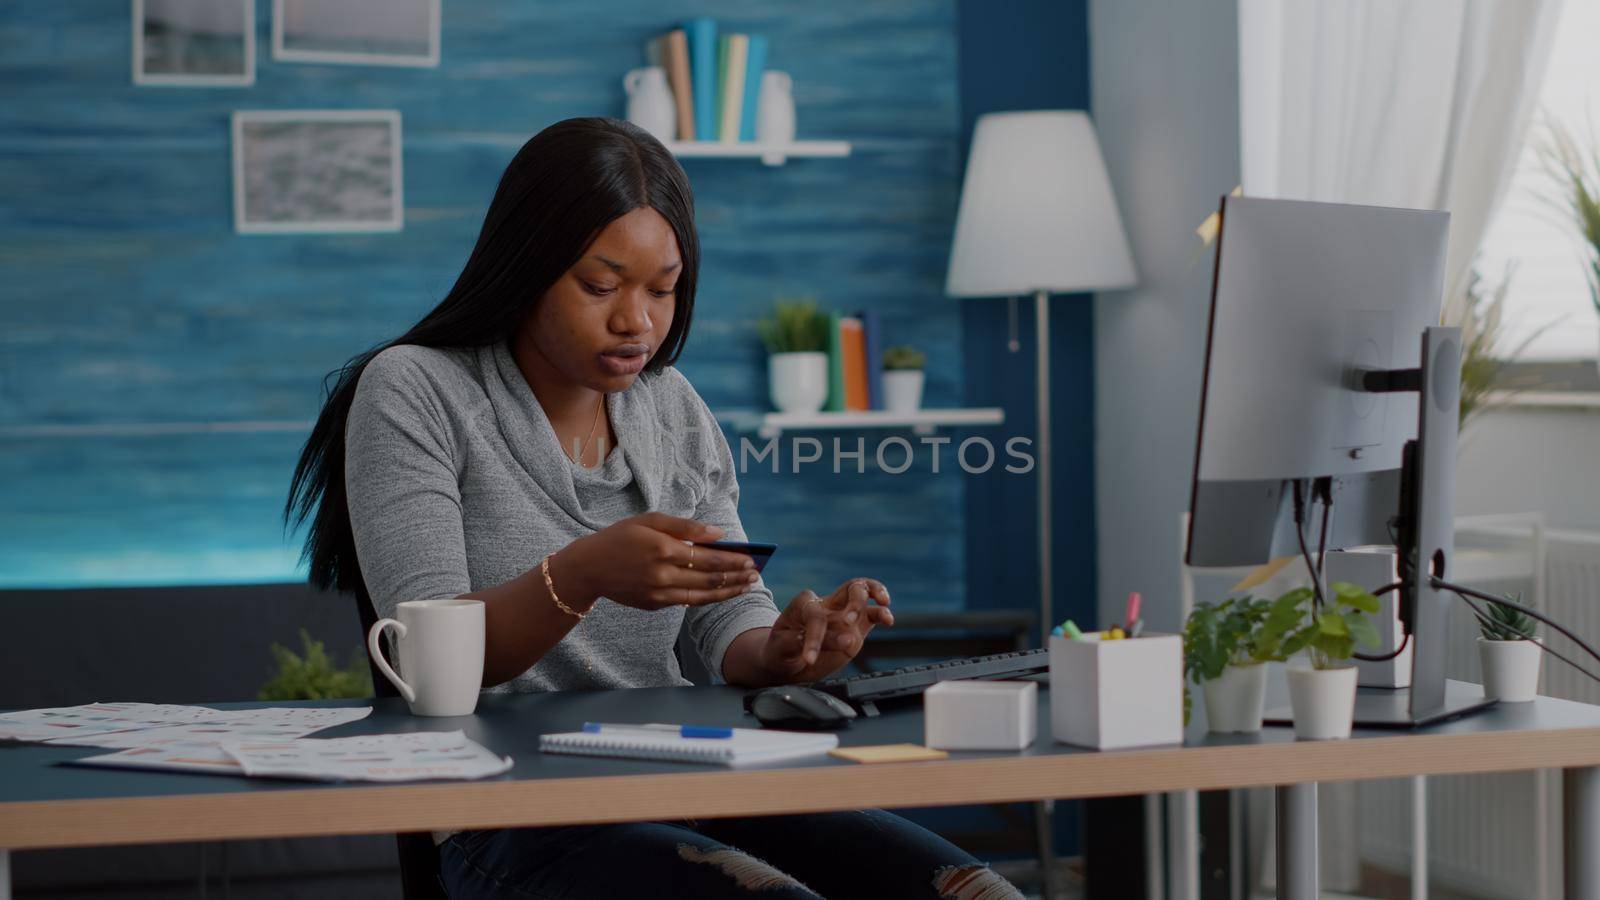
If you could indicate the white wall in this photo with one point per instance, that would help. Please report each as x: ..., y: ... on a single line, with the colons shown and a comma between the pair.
x: 1164, y: 79
x: 1523, y: 459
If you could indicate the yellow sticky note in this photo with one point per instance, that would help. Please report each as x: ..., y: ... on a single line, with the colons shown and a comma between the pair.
x: 884, y: 753
x: 1263, y: 572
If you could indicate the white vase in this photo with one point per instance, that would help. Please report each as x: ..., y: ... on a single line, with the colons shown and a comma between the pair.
x: 1234, y: 700
x: 798, y: 382
x: 650, y: 104
x: 1510, y: 669
x: 775, y: 109
x: 902, y: 390
x: 1324, y: 702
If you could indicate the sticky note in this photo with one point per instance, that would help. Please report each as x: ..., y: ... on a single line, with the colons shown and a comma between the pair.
x: 884, y: 753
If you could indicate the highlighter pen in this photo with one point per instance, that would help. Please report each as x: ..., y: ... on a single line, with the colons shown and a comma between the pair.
x: 1071, y: 630
x: 688, y: 731
x: 1134, y: 602
x: 1057, y: 632
x: 1136, y: 629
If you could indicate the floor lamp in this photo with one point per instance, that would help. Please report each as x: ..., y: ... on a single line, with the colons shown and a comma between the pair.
x: 1037, y: 217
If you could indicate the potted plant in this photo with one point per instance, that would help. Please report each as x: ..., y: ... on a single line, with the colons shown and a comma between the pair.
x: 1323, y: 693
x: 902, y: 379
x: 314, y: 675
x: 1223, y: 653
x: 796, y: 337
x: 1576, y: 171
x: 1510, y: 654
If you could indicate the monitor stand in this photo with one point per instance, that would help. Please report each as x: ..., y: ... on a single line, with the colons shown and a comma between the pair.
x: 1391, y: 707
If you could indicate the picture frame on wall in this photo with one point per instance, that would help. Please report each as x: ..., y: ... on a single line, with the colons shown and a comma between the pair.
x: 317, y: 170
x: 194, y: 43
x: 357, y: 32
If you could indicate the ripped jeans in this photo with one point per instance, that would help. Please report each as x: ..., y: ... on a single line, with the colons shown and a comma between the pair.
x: 838, y: 855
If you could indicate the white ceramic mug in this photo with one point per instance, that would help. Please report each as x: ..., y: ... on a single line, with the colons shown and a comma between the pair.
x: 439, y: 645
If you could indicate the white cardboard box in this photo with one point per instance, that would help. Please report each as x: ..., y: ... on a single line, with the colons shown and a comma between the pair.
x: 981, y: 715
x: 1113, y: 694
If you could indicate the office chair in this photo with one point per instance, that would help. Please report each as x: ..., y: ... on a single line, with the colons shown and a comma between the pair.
x: 419, y: 858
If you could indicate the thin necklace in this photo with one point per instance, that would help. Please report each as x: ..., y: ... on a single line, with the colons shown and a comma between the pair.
x: 583, y: 447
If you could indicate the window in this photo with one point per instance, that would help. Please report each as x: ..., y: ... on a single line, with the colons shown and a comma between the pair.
x: 1547, y: 289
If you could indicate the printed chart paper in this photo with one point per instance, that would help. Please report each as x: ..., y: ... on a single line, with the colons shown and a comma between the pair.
x: 65, y: 725
x: 415, y: 756
x: 272, y: 724
x: 169, y: 755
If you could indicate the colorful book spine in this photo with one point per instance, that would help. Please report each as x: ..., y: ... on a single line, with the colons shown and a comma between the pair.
x: 755, y: 64
x: 717, y: 94
x: 872, y: 331
x: 702, y: 36
x: 854, y: 358
x: 732, y: 87
x: 835, y: 366
x: 677, y: 65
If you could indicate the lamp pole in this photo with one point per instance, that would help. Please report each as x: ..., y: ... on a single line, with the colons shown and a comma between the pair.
x: 1041, y: 304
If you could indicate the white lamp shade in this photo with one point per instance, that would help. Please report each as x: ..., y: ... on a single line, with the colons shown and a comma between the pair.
x: 1037, y: 211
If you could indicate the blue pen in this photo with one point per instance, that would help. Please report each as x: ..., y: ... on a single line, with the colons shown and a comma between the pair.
x: 688, y: 731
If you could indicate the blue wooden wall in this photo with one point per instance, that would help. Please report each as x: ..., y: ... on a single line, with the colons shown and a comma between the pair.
x: 157, y: 371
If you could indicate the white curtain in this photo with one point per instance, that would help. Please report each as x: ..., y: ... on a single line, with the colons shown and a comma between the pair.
x: 1415, y: 103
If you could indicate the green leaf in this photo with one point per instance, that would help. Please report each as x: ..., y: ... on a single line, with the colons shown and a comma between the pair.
x: 1362, y: 630
x: 1350, y: 595
x: 1296, y: 643
x: 1332, y: 624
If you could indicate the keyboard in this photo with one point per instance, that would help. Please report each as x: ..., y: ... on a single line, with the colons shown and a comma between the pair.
x: 904, y: 682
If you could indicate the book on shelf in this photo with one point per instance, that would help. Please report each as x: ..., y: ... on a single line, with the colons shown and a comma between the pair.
x: 702, y: 39
x: 675, y: 57
x: 755, y: 64
x: 835, y: 366
x: 872, y: 334
x: 730, y: 90
x: 853, y: 345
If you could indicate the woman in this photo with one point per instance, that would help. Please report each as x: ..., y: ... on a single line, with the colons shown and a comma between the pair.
x: 529, y: 444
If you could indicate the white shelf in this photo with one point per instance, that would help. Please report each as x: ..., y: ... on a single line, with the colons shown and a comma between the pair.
x: 770, y: 154
x: 923, y: 421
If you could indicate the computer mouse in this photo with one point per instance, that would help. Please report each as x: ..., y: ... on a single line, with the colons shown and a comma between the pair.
x: 800, y: 708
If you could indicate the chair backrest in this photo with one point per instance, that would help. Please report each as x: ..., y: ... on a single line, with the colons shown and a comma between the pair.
x: 419, y: 857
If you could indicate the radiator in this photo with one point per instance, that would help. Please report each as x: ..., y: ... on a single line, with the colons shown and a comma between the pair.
x: 1498, y: 836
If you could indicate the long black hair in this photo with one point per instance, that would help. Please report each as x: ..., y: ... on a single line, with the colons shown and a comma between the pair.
x: 561, y: 189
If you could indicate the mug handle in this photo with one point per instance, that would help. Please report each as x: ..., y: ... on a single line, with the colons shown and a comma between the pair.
x: 376, y: 649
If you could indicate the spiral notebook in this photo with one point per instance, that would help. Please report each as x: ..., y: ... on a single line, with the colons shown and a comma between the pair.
x: 748, y: 745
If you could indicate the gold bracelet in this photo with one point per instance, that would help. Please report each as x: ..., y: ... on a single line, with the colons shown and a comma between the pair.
x: 544, y: 568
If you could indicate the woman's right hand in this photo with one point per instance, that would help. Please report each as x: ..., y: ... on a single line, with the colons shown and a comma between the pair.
x: 643, y: 562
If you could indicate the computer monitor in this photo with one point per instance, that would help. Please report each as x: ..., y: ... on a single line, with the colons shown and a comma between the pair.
x: 1322, y: 315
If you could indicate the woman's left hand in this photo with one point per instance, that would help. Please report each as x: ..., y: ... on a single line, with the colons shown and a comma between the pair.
x: 815, y: 636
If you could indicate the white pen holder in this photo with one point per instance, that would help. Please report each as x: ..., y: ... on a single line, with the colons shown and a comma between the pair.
x: 1118, y: 693
x: 980, y: 715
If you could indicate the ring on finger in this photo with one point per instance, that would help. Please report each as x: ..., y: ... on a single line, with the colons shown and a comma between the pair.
x: 722, y: 580
x: 691, y: 557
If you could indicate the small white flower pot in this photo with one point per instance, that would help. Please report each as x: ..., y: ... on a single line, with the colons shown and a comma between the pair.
x: 902, y: 390
x: 1324, y: 702
x: 1235, y: 700
x: 1510, y: 669
x: 798, y: 382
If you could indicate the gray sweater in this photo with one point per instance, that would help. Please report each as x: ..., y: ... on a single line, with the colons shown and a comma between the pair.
x: 457, y: 482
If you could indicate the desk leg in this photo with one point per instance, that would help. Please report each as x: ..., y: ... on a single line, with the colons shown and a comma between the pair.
x: 1298, y: 874
x: 5, y: 875
x: 1580, y: 812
